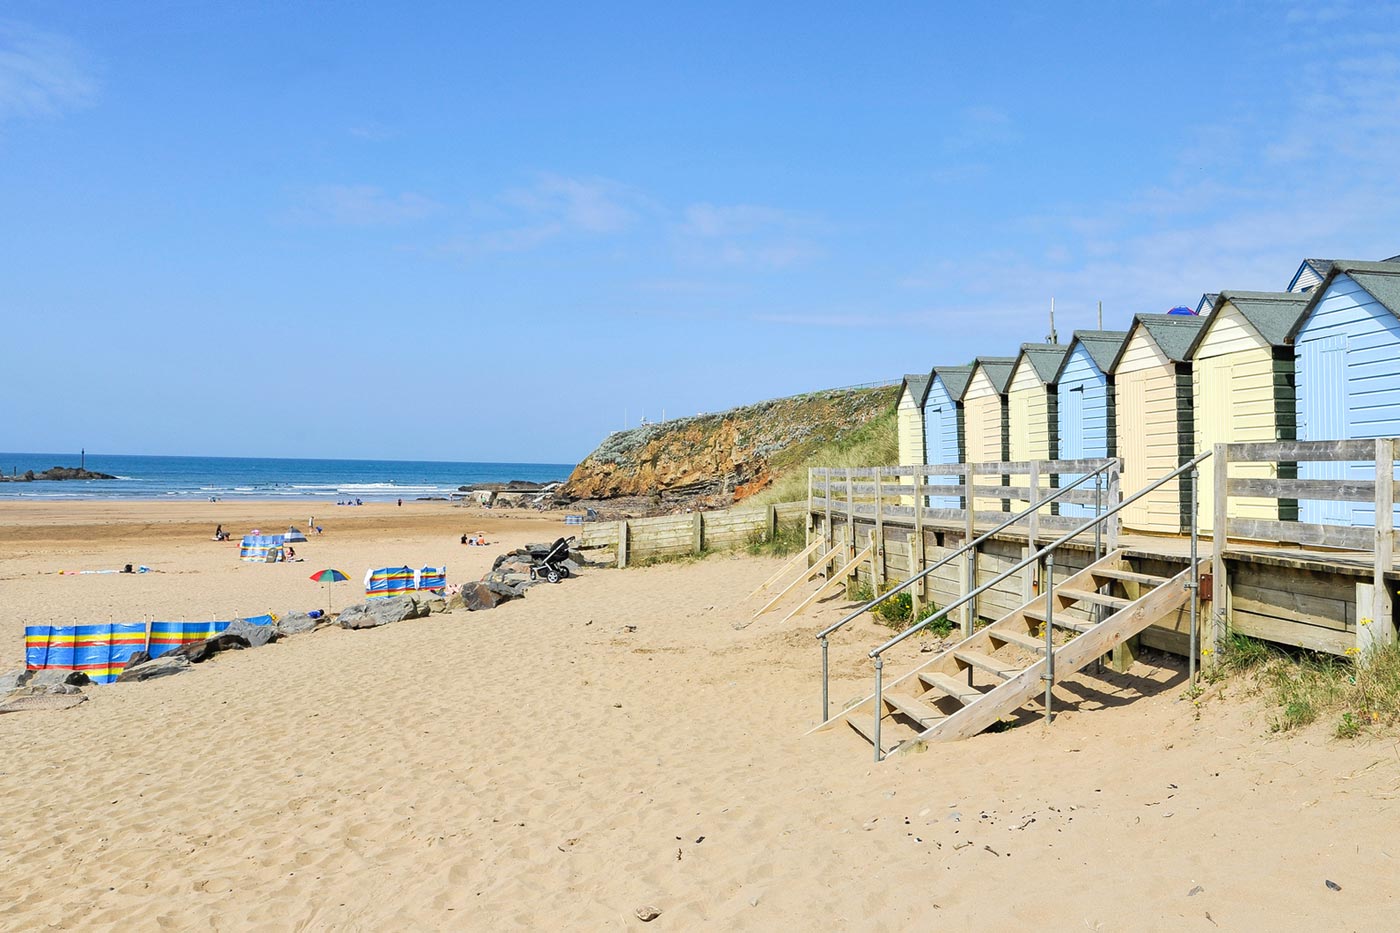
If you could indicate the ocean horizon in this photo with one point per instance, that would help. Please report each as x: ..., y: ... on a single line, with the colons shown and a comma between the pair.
x: 189, y: 478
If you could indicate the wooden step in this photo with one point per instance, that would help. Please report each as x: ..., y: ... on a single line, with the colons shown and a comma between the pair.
x: 1019, y: 639
x: 986, y: 662
x: 1128, y: 576
x: 1061, y: 620
x: 920, y: 712
x: 962, y: 692
x: 863, y: 724
x: 1089, y: 596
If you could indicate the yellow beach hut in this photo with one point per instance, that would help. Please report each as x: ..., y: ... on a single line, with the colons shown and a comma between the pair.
x: 1156, y: 424
x: 1031, y: 413
x: 985, y: 418
x: 909, y: 418
x: 1242, y: 387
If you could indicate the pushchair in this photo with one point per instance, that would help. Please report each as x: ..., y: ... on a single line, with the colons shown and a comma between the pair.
x: 549, y: 562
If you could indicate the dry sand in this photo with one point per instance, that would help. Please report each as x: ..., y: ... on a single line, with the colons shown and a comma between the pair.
x: 541, y: 767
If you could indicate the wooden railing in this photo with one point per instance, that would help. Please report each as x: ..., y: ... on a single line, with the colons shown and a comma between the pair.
x: 1378, y: 541
x: 902, y: 493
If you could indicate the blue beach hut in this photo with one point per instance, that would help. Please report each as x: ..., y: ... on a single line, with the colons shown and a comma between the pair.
x: 1346, y: 345
x: 943, y: 427
x: 1087, y: 426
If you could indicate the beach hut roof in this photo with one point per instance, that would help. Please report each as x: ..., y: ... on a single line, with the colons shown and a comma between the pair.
x: 1101, y: 345
x: 1272, y: 314
x: 998, y: 370
x: 917, y: 384
x: 954, y: 378
x: 1381, y: 280
x: 1206, y: 303
x: 1174, y: 334
x: 1045, y: 358
x: 1319, y: 267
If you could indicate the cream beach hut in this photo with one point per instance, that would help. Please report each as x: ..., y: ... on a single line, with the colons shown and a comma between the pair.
x: 1242, y: 389
x: 985, y: 418
x: 1152, y: 388
x: 1031, y: 413
x: 909, y: 416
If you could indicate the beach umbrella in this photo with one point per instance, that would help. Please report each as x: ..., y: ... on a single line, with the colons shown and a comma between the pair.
x: 328, y: 576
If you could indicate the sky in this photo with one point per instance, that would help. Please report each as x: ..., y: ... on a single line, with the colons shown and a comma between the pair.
x: 500, y: 231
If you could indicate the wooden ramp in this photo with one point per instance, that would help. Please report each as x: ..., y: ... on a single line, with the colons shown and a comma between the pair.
x: 999, y: 669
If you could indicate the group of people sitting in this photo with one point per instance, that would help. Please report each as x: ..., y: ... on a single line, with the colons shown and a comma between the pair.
x: 220, y: 534
x: 476, y: 540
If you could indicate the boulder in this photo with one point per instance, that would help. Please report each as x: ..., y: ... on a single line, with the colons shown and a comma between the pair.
x: 36, y: 690
x: 255, y: 635
x: 138, y: 658
x: 295, y: 623
x: 377, y: 612
x: 201, y: 651
x: 47, y: 678
x: 454, y: 602
x: 429, y: 603
x: 12, y: 680
x: 163, y: 666
x: 484, y: 595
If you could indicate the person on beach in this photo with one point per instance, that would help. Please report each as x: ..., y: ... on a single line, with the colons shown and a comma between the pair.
x: 400, y: 503
x: 219, y: 533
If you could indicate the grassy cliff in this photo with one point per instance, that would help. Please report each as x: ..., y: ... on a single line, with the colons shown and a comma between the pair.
x: 754, y: 450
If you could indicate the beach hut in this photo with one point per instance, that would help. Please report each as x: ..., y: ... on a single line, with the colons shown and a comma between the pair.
x: 1242, y: 392
x: 1085, y: 414
x: 1310, y: 273
x: 1152, y: 379
x: 1347, y: 342
x: 910, y: 418
x: 985, y: 430
x: 1031, y: 406
x: 943, y: 427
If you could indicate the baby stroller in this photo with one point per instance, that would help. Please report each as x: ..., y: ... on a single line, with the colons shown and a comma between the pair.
x: 549, y: 562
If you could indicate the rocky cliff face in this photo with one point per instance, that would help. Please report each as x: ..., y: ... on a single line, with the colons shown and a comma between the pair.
x: 715, y: 459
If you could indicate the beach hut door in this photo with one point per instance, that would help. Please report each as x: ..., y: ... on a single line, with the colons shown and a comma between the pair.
x: 1325, y: 415
x: 1072, y: 417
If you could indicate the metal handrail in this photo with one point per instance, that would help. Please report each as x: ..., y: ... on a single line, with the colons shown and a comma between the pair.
x: 1035, y: 507
x: 1049, y: 549
x: 966, y: 548
x: 1027, y: 561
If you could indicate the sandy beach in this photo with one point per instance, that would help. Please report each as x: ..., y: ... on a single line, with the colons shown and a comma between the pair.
x: 541, y: 766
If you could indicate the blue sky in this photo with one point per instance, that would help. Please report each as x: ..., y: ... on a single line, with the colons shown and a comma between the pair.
x: 493, y: 232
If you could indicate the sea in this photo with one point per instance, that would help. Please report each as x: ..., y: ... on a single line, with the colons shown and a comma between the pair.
x: 191, y: 478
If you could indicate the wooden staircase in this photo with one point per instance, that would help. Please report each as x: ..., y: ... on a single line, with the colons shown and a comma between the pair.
x: 1000, y: 668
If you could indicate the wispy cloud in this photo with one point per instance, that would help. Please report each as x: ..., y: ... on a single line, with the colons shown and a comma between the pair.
x: 362, y: 206
x: 747, y: 235
x: 41, y: 74
x: 585, y: 205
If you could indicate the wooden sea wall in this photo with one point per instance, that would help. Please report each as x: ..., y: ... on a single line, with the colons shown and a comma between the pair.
x: 642, y: 539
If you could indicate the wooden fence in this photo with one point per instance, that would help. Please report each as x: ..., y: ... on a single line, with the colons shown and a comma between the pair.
x: 640, y: 539
x: 1321, y: 612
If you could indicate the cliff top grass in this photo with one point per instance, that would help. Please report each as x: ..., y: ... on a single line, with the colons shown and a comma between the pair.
x: 875, y: 443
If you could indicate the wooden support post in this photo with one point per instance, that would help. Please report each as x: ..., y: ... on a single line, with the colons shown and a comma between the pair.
x: 1381, y: 630
x: 877, y: 542
x: 622, y: 544
x: 807, y: 522
x: 877, y: 561
x: 851, y: 525
x: 772, y: 521
x: 1032, y: 530
x: 697, y: 533
x: 916, y: 546
x: 830, y: 535
x: 969, y: 610
x: 1218, y: 625
x: 1115, y: 496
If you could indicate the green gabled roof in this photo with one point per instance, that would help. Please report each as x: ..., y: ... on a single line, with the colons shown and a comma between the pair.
x: 1101, y: 345
x: 917, y: 384
x: 998, y: 370
x: 1381, y: 280
x: 954, y: 378
x: 1174, y: 334
x: 1045, y: 359
x: 1272, y: 314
